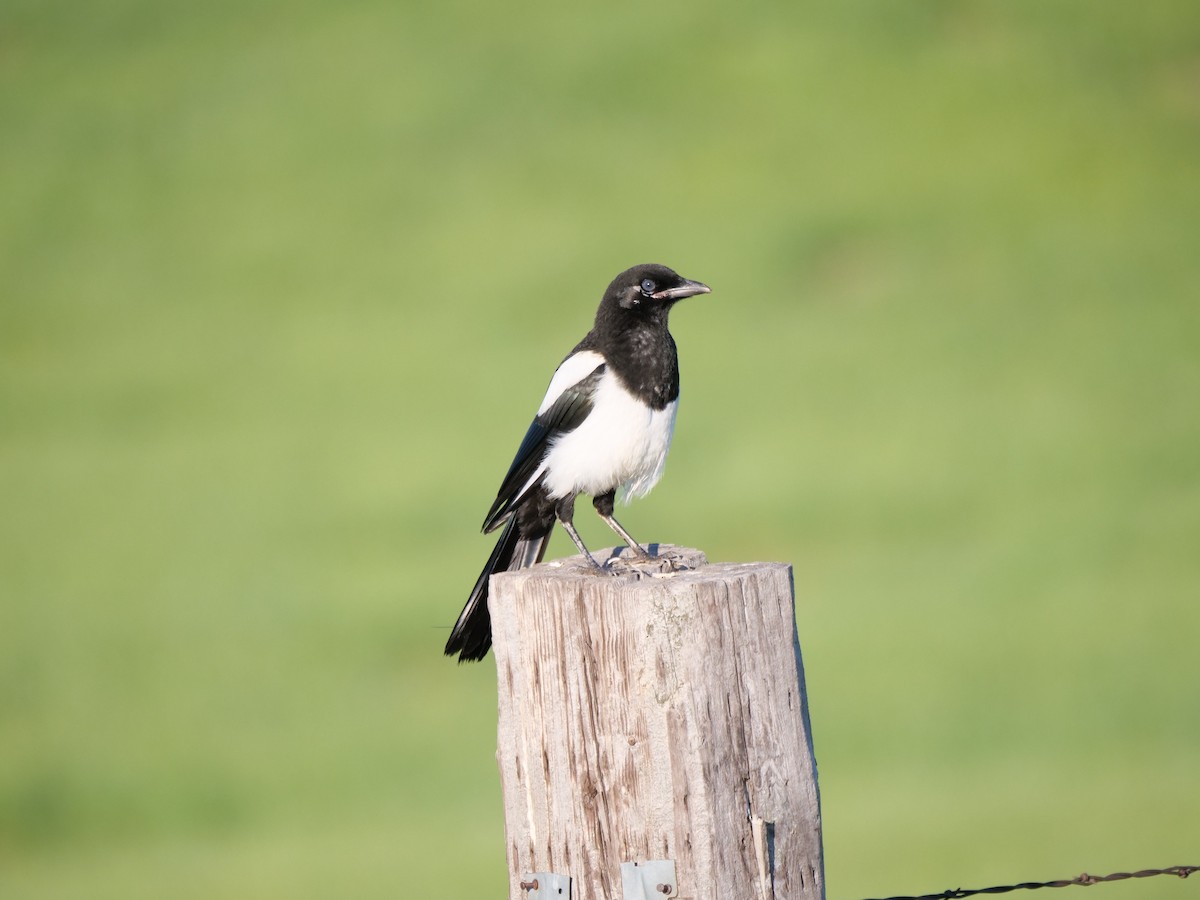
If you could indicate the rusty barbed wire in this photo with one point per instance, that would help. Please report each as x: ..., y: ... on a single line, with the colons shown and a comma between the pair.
x: 1084, y: 880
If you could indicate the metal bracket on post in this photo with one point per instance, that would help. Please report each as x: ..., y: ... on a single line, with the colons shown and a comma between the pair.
x: 546, y: 886
x: 649, y: 880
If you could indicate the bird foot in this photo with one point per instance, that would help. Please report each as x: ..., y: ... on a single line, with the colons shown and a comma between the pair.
x: 662, y: 560
x: 643, y: 564
x: 596, y: 567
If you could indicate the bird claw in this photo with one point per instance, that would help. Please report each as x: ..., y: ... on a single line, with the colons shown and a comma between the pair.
x: 615, y: 565
x: 675, y: 563
x: 595, y: 567
x: 626, y: 561
x: 645, y: 564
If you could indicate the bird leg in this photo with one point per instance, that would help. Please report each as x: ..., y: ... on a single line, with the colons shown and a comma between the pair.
x: 604, y: 506
x: 565, y: 510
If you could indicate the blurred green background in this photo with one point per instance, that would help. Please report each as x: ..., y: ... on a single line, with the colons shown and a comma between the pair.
x: 281, y: 284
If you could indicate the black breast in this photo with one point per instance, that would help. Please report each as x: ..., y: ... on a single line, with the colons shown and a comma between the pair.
x: 647, y: 363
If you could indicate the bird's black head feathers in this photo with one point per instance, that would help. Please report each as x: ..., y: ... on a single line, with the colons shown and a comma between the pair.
x: 650, y: 289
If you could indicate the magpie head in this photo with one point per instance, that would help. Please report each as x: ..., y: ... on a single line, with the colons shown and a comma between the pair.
x: 651, y: 289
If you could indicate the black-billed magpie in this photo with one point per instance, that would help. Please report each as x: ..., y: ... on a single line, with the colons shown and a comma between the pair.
x: 604, y: 425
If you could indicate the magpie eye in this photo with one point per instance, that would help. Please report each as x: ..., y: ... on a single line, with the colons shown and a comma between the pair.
x: 647, y: 286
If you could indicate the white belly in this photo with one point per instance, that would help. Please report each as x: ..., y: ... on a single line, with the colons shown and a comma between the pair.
x: 621, y: 444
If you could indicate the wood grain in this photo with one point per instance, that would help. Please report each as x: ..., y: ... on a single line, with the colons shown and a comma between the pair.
x: 657, y: 714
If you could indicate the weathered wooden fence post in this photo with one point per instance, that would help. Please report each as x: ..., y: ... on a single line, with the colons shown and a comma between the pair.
x: 656, y: 716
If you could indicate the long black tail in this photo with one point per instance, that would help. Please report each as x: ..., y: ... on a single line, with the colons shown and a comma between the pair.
x: 472, y: 635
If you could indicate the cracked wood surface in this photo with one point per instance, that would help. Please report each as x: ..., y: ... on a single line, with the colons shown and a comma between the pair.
x: 657, y: 714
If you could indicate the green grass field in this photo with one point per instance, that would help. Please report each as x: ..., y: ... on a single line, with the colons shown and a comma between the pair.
x: 281, y: 284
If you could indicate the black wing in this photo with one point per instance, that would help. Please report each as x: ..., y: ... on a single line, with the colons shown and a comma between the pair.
x: 565, y: 414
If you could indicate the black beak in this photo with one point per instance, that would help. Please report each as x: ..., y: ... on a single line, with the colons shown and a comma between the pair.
x: 687, y: 289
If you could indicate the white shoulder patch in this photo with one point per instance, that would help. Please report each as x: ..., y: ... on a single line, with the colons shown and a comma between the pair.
x: 572, y: 371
